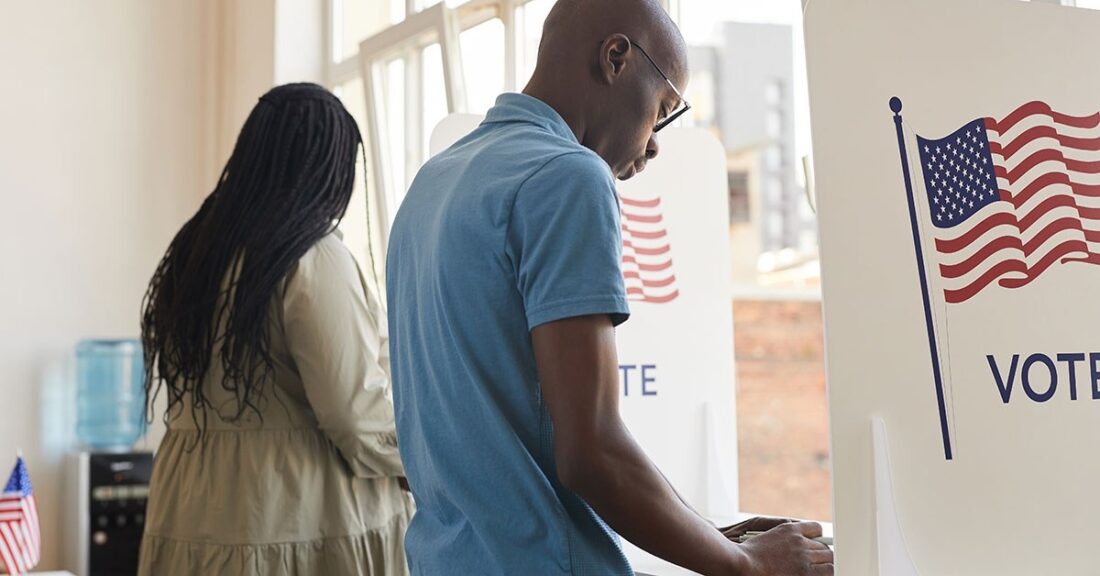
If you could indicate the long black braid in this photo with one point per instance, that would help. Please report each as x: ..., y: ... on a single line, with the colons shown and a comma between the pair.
x: 287, y: 185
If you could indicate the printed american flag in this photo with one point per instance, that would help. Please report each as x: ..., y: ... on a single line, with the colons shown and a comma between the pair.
x: 20, y: 543
x: 647, y: 254
x: 1009, y: 198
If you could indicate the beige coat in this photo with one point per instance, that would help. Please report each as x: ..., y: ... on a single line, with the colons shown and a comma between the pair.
x: 309, y: 487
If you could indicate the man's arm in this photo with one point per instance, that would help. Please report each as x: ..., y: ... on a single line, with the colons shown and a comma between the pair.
x: 599, y: 460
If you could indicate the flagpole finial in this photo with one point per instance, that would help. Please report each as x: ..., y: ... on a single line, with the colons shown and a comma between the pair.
x: 18, y: 452
x: 895, y: 105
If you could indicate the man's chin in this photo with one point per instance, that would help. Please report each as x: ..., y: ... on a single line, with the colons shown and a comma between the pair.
x: 628, y: 173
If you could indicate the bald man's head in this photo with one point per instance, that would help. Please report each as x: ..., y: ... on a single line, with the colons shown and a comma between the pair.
x: 577, y: 25
x: 593, y: 68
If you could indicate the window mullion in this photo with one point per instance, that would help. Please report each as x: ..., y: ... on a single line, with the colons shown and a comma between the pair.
x: 414, y: 112
x: 508, y: 17
x: 374, y: 89
x: 453, y: 79
x: 334, y: 36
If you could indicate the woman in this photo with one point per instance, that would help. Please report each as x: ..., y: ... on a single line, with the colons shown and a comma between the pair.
x: 272, y: 353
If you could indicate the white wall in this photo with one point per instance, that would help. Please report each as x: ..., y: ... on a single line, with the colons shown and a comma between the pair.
x: 105, y: 118
x: 300, y: 50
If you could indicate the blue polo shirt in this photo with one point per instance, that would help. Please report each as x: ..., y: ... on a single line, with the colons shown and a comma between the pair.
x: 513, y: 226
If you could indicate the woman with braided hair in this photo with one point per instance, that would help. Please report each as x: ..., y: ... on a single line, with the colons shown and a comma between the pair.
x: 271, y: 352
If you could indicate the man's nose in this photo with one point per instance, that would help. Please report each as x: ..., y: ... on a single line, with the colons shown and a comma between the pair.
x: 652, y: 148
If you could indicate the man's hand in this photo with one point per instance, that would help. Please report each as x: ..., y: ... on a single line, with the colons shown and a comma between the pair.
x: 788, y: 549
x: 758, y: 524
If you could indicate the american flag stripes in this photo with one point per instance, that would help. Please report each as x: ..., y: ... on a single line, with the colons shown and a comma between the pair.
x: 20, y: 537
x: 1010, y: 198
x: 647, y: 253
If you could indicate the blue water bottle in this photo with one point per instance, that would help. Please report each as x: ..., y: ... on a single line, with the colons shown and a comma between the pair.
x: 110, y: 393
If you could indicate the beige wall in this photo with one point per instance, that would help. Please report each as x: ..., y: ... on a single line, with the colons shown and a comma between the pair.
x: 116, y: 117
x: 259, y: 43
x: 244, y: 68
x: 101, y: 159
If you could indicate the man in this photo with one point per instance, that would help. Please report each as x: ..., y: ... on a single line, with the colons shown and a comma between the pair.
x: 505, y: 286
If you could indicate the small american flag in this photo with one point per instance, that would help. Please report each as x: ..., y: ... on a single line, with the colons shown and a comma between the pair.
x: 20, y: 542
x: 647, y: 254
x: 1009, y: 198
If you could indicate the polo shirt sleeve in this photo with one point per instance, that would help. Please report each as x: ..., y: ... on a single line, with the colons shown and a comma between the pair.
x: 565, y: 242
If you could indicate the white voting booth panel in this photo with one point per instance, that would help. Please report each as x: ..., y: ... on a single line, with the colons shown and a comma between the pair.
x: 676, y: 351
x: 957, y: 161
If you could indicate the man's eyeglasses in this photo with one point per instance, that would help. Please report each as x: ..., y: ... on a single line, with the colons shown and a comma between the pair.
x: 684, y: 106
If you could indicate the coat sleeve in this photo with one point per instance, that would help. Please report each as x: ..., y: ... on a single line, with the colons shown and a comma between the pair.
x: 337, y: 335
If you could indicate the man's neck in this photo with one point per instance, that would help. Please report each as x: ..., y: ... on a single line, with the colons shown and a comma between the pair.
x: 572, y: 117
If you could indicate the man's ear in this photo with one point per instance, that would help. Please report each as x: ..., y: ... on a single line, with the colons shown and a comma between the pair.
x: 614, y: 52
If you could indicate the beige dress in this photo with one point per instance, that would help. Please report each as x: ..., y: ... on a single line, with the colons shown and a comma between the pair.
x: 309, y: 489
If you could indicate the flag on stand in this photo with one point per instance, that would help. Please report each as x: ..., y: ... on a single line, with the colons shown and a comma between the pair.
x: 20, y: 538
x: 1008, y: 198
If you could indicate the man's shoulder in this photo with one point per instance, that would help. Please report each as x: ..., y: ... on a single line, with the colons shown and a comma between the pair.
x: 574, y: 162
x: 530, y: 149
x: 576, y: 170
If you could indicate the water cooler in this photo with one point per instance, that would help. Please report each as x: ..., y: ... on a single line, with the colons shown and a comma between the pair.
x: 107, y: 485
x: 105, y: 511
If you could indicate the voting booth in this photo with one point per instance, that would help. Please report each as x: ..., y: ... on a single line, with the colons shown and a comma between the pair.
x: 957, y: 164
x: 676, y: 351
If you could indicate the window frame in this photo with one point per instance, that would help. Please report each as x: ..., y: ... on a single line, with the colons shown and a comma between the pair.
x: 421, y: 27
x: 437, y: 24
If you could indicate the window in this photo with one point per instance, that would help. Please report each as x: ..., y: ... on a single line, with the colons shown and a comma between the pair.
x: 807, y: 239
x: 485, y: 81
x: 394, y: 98
x: 422, y: 59
x: 776, y: 222
x: 434, y: 100
x: 773, y: 158
x: 773, y: 124
x: 754, y: 53
x: 700, y: 92
x: 354, y: 20
x: 773, y: 191
x: 408, y: 55
x: 529, y: 19
x: 739, y: 197
x: 806, y: 210
x: 773, y: 93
